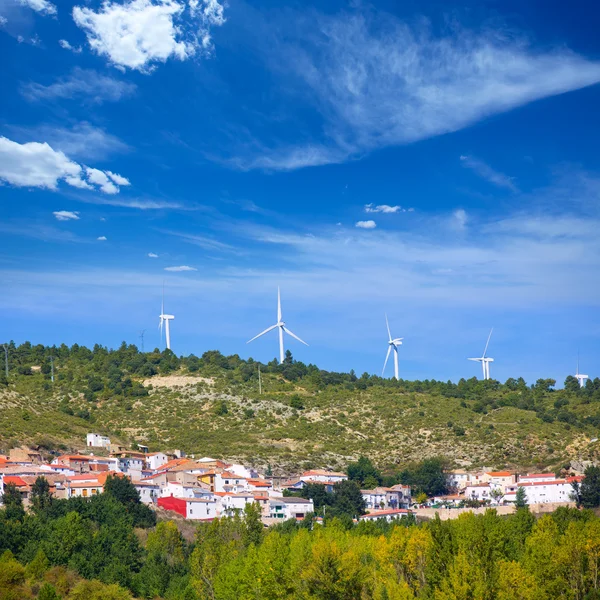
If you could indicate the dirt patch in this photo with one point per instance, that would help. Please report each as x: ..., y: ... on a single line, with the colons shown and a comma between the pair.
x: 171, y: 381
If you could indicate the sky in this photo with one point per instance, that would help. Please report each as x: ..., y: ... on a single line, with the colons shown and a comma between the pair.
x: 435, y: 161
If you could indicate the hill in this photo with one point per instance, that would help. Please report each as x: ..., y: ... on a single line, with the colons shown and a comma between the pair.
x: 304, y: 418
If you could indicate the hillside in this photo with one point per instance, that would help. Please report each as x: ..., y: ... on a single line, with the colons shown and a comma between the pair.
x: 304, y: 417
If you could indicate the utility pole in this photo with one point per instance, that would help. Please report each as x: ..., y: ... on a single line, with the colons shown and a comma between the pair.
x: 52, y: 369
x: 142, y: 332
x: 259, y: 381
x: 6, y: 359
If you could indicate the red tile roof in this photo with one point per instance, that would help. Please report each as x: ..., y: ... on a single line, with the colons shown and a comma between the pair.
x: 15, y: 480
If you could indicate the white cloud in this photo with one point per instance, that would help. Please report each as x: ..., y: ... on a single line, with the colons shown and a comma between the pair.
x: 3, y: 21
x: 180, y: 269
x: 486, y: 172
x: 64, y: 44
x: 118, y: 179
x: 139, y: 33
x: 102, y: 238
x: 81, y: 83
x: 460, y: 218
x: 366, y: 224
x: 152, y: 255
x: 375, y: 81
x: 384, y: 208
x: 42, y: 6
x: 101, y: 179
x: 35, y: 164
x: 66, y: 215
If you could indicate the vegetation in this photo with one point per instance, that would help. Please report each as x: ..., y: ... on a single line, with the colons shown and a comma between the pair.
x: 88, y: 549
x: 305, y: 418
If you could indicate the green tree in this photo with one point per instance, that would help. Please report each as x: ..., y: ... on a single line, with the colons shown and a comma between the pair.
x: 590, y: 488
x: 362, y: 469
x: 123, y: 490
x: 347, y: 499
x: 253, y: 526
x: 571, y: 384
x: 13, y: 503
x: 521, y: 497
x: 40, y: 497
x: 48, y: 592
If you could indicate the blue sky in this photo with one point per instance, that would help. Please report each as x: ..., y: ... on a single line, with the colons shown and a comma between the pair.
x: 437, y: 161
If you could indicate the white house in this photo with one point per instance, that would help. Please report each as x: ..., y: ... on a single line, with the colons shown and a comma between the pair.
x: 458, y: 479
x: 149, y: 491
x: 545, y: 492
x: 385, y: 515
x: 230, y: 482
x: 319, y: 476
x: 499, y: 478
x: 478, y: 491
x: 235, y: 503
x: 376, y: 498
x: 536, y: 477
x: 95, y: 440
x: 155, y: 460
x: 296, y: 508
x: 200, y: 509
x: 185, y: 490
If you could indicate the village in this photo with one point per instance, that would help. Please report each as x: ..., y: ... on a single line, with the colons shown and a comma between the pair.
x: 202, y: 489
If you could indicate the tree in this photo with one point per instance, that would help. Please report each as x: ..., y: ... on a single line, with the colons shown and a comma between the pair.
x: 347, y: 499
x: 521, y: 497
x: 318, y: 494
x: 427, y: 476
x: 497, y: 494
x: 13, y: 503
x: 590, y: 488
x: 362, y: 469
x: 48, y: 592
x: 40, y: 497
x: 122, y: 490
x: 571, y: 384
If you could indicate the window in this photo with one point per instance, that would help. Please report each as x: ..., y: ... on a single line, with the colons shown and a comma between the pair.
x: 94, y: 491
x: 84, y: 492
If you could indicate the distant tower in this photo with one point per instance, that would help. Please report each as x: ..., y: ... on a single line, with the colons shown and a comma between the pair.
x: 580, y: 376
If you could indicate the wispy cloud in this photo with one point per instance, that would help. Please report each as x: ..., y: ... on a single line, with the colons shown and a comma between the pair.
x: 102, y: 238
x: 488, y: 173
x: 65, y: 44
x: 66, y: 215
x: 385, y: 208
x: 180, y: 269
x: 366, y: 224
x: 137, y: 203
x: 205, y: 242
x: 375, y: 81
x: 42, y: 6
x: 83, y: 84
x: 152, y: 255
x: 83, y: 141
x: 460, y: 218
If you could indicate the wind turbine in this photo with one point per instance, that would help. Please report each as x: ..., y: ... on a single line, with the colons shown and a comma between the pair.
x: 392, y: 344
x: 580, y: 376
x: 281, y: 326
x: 484, y: 360
x: 164, y: 319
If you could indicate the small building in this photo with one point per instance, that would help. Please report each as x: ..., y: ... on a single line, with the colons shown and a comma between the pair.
x: 546, y: 492
x: 320, y: 476
x: 297, y: 508
x: 499, y: 478
x: 155, y: 460
x: 389, y: 514
x: 149, y: 491
x: 25, y: 455
x: 376, y: 498
x: 196, y: 509
x: 478, y: 491
x: 96, y: 440
x: 458, y: 479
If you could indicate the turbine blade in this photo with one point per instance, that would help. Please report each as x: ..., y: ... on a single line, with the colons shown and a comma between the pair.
x: 475, y: 359
x: 386, y: 359
x: 294, y: 335
x: 388, y: 327
x: 488, y: 342
x: 262, y: 333
x: 278, y: 305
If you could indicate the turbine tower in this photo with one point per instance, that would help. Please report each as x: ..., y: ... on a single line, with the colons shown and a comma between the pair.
x: 392, y: 345
x: 484, y: 360
x: 164, y: 320
x: 280, y: 325
x: 580, y: 376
